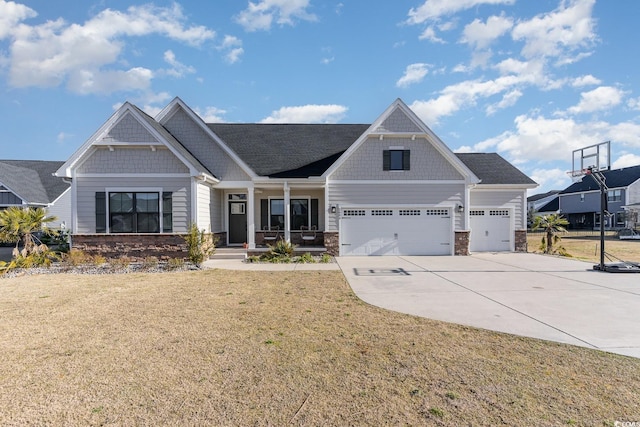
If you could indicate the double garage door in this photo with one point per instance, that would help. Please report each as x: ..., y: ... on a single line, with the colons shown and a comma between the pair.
x: 397, y: 231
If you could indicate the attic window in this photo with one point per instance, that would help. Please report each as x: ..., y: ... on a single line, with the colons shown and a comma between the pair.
x: 396, y: 160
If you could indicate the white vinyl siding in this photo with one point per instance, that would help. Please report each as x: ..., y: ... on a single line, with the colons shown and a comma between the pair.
x: 88, y: 186
x: 423, y: 194
x: 216, y: 210
x: 204, y: 202
x: 61, y: 209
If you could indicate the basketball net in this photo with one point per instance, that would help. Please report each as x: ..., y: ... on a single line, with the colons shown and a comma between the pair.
x: 577, y: 175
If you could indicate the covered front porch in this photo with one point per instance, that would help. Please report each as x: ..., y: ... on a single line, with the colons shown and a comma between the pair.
x: 262, y: 213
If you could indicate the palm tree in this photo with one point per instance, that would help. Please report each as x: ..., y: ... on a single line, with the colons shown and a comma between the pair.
x: 553, y: 225
x: 18, y: 225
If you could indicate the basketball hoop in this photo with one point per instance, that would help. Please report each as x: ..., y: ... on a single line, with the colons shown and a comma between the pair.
x: 577, y: 175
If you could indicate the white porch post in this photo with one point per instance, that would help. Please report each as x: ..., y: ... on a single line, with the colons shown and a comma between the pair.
x: 287, y: 212
x: 251, y: 221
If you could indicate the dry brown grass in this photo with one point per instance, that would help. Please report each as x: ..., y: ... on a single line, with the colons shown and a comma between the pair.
x: 588, y: 248
x: 277, y: 348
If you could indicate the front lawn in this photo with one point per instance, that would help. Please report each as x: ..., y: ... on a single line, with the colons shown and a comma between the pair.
x: 231, y: 348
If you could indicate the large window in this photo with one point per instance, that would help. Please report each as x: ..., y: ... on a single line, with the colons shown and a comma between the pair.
x: 303, y: 212
x: 396, y: 160
x: 134, y: 212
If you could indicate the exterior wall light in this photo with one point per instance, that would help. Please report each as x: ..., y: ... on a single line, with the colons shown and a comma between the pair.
x: 460, y: 208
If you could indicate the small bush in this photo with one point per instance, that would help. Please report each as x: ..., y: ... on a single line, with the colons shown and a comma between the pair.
x: 281, y: 248
x: 306, y: 258
x: 98, y: 260
x: 175, y: 263
x: 76, y: 257
x: 325, y: 259
x: 200, y: 245
x: 122, y: 262
x: 150, y: 262
x: 253, y: 258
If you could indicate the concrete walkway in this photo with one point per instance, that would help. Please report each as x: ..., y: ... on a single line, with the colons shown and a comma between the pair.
x: 550, y: 298
x: 537, y: 296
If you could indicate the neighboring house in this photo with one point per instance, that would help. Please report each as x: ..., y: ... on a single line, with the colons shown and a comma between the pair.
x: 32, y: 183
x: 542, y: 204
x: 580, y: 202
x: 391, y: 187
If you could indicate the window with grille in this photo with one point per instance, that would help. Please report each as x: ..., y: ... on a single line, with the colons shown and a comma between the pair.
x: 476, y: 213
x: 409, y: 212
x: 499, y: 212
x: 381, y: 212
x: 354, y: 212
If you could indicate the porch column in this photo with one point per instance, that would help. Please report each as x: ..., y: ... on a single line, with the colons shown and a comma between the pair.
x: 287, y: 212
x: 251, y: 220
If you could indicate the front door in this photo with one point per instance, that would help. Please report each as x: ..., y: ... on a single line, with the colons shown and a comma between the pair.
x: 237, y: 222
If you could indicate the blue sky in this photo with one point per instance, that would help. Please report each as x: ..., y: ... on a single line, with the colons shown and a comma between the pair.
x: 530, y: 80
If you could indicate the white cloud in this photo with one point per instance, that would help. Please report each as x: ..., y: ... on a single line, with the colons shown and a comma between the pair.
x: 233, y: 47
x: 481, y: 34
x: 557, y: 33
x: 87, y: 57
x: 540, y: 139
x: 211, y: 114
x: 414, y: 73
x: 587, y: 80
x: 178, y: 69
x: 432, y: 10
x: 261, y: 15
x: 62, y: 137
x: 601, y: 98
x: 508, y: 100
x: 625, y: 161
x: 330, y: 113
x: 11, y: 14
x: 430, y: 34
x: 549, y: 179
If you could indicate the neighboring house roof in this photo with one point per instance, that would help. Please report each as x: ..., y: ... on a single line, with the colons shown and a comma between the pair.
x: 541, y: 196
x: 289, y: 150
x: 33, y: 180
x: 552, y: 206
x: 617, y: 178
x: 491, y: 168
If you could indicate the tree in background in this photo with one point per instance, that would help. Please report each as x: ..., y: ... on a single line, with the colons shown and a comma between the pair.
x: 552, y: 225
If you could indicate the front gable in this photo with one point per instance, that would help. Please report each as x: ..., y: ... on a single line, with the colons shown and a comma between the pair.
x: 399, y: 129
x: 203, y: 143
x: 131, y: 142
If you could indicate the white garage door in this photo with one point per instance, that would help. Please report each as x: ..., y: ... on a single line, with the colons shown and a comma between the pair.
x: 490, y: 230
x: 399, y: 231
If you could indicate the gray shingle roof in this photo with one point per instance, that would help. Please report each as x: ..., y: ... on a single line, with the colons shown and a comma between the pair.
x: 32, y: 180
x: 617, y: 178
x: 289, y: 150
x: 491, y: 168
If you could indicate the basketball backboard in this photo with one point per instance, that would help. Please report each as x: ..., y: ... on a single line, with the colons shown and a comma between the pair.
x: 594, y: 158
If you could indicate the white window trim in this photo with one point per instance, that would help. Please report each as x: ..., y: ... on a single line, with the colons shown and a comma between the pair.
x: 109, y: 190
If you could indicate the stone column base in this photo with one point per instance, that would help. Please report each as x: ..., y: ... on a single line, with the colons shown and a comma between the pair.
x: 461, y: 243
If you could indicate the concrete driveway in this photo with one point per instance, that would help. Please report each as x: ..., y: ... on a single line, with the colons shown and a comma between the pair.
x: 524, y: 294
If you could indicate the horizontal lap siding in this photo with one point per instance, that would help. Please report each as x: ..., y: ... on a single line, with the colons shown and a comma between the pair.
x: 87, y: 187
x: 394, y: 194
x: 61, y: 209
x: 204, y: 201
x: 216, y: 211
x: 501, y: 199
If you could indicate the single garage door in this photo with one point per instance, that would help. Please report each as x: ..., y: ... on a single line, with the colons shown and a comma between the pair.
x: 490, y: 230
x: 399, y: 231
